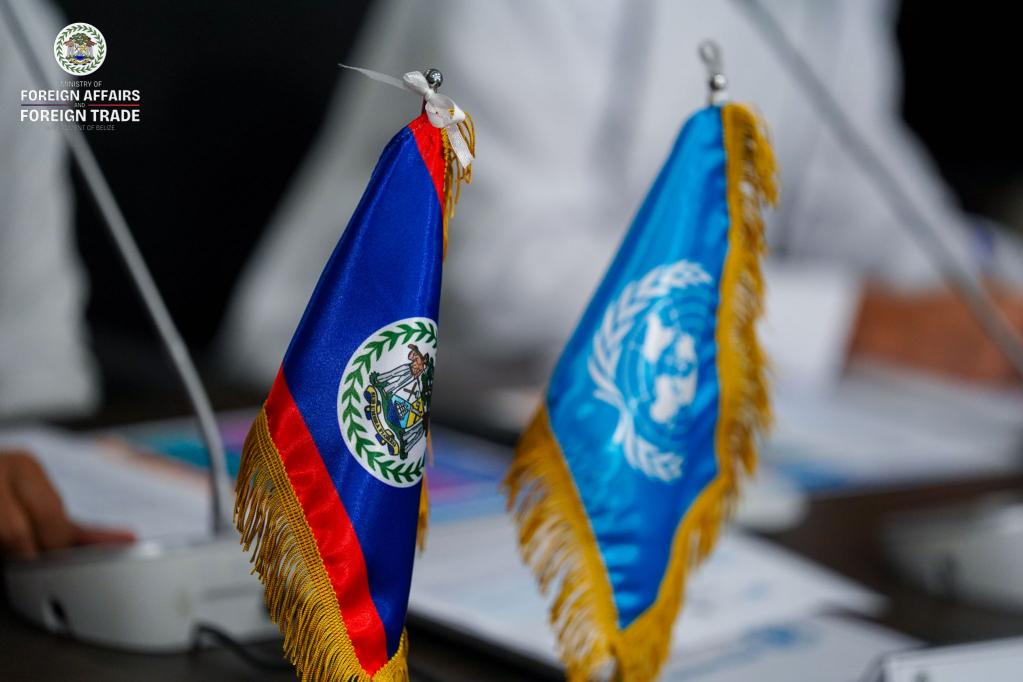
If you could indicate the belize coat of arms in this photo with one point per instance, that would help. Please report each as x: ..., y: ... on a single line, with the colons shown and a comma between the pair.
x: 80, y: 48
x: 398, y: 400
x: 384, y: 400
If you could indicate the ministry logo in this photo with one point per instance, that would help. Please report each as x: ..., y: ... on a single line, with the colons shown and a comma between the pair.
x: 80, y: 49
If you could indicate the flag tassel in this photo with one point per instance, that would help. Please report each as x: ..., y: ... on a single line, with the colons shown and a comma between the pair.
x: 299, y: 595
x: 554, y: 534
x: 424, y: 516
x: 556, y: 542
x: 454, y: 173
x: 752, y: 182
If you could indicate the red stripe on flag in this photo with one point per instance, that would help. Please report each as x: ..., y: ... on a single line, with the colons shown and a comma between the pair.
x: 431, y: 148
x: 327, y: 518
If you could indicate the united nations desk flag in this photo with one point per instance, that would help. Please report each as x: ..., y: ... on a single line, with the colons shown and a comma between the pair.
x: 621, y: 480
x: 330, y: 491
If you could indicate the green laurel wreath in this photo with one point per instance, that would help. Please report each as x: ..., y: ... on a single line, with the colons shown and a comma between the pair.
x: 351, y: 398
x: 83, y: 69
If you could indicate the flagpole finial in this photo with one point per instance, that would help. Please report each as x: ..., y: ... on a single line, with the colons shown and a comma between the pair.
x: 710, y: 54
x: 434, y: 78
x: 440, y: 109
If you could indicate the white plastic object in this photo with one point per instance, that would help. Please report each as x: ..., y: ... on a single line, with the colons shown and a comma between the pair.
x: 148, y: 597
x: 770, y: 503
x: 970, y: 552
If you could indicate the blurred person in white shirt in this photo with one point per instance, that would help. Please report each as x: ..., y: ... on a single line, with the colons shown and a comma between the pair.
x: 576, y: 104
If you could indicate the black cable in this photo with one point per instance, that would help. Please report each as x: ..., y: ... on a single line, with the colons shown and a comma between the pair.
x: 418, y: 674
x: 255, y: 659
x: 977, y: 300
x: 246, y: 653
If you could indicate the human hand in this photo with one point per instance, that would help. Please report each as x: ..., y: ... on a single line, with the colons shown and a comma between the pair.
x: 934, y: 331
x: 32, y: 516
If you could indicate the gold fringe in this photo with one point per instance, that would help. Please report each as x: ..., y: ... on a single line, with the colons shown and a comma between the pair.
x: 424, y: 497
x: 555, y: 536
x: 556, y: 541
x: 454, y: 174
x: 424, y: 515
x: 752, y: 182
x: 299, y: 595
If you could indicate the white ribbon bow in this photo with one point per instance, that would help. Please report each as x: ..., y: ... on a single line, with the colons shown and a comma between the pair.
x: 441, y: 110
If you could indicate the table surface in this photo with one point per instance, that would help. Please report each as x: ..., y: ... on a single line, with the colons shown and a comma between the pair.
x: 840, y: 532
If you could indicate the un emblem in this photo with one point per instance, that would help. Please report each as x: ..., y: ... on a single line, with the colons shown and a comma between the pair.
x: 383, y: 401
x: 80, y: 48
x: 645, y: 364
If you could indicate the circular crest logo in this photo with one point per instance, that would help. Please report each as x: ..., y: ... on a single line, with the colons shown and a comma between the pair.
x: 80, y: 48
x: 645, y: 363
x: 383, y: 401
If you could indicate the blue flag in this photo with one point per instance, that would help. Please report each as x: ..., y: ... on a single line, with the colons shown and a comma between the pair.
x: 330, y: 492
x: 622, y: 478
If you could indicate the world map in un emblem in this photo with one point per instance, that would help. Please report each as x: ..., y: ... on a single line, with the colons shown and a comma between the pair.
x: 645, y: 363
x: 383, y: 402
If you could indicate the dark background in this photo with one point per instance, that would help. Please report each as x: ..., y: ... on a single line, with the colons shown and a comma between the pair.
x: 960, y: 62
x: 233, y: 95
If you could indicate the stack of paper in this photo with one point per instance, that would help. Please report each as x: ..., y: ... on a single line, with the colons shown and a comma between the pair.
x: 106, y: 483
x: 470, y: 580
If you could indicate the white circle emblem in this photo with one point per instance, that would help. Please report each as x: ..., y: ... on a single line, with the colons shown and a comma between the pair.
x: 650, y: 375
x: 80, y: 48
x: 383, y: 400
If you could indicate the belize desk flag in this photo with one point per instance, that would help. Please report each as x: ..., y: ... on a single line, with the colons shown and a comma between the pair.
x: 330, y: 493
x: 621, y: 481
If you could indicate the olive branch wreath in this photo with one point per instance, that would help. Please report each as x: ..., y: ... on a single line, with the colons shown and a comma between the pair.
x: 618, y: 320
x: 101, y: 50
x: 388, y: 467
